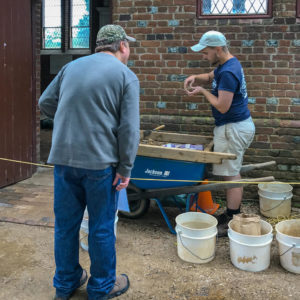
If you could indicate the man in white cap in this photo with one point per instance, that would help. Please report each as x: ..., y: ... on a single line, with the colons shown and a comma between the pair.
x: 94, y: 102
x: 234, y: 130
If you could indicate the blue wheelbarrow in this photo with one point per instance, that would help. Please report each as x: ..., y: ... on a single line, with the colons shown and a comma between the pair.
x: 160, y: 172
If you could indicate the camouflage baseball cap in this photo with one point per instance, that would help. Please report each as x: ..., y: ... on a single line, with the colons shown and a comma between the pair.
x: 112, y: 33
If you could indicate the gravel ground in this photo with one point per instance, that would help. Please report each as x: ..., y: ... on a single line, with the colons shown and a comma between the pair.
x: 147, y: 252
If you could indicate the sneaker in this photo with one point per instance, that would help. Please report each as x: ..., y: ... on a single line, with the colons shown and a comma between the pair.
x: 223, y: 219
x: 82, y: 281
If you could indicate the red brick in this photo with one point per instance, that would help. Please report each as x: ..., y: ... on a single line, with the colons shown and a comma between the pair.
x: 282, y: 72
x: 279, y: 94
x: 162, y: 17
x: 141, y: 10
x: 160, y: 64
x: 149, y: 63
x: 150, y: 57
x: 162, y: 30
x: 146, y: 30
x: 295, y: 109
x: 171, y: 56
x: 269, y: 78
x: 165, y: 2
x: 285, y: 102
x: 162, y: 50
x: 150, y: 44
x: 259, y: 57
x: 143, y: 17
x: 282, y: 79
x: 171, y: 84
x: 150, y: 70
x: 262, y: 138
x: 129, y: 3
x: 140, y: 3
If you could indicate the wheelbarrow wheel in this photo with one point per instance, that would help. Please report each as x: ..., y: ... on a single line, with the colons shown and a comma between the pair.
x: 137, y: 207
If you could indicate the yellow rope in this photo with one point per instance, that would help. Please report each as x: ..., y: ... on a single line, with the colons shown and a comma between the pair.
x: 154, y: 179
x: 214, y: 181
x: 27, y: 163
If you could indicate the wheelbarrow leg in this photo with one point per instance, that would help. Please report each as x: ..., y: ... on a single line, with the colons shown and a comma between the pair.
x: 164, y: 215
x: 177, y: 203
x: 191, y: 199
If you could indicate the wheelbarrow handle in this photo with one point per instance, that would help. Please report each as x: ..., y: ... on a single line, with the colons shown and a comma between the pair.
x: 196, y: 188
x: 250, y: 167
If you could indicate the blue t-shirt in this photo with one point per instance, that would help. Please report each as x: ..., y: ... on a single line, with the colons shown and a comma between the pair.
x: 230, y: 77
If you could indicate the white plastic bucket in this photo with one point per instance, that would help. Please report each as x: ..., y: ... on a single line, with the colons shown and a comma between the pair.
x: 84, y: 230
x: 84, y: 234
x: 288, y: 238
x: 196, y: 237
x: 275, y: 199
x: 251, y: 252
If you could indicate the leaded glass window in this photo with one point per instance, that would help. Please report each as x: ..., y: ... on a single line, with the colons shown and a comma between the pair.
x: 239, y: 8
x: 52, y: 29
x: 57, y: 34
x: 80, y: 24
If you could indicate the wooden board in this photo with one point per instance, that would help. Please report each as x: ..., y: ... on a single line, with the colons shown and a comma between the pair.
x: 178, y: 138
x: 192, y: 155
x: 183, y: 154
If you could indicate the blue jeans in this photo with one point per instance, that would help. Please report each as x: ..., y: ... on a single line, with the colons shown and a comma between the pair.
x: 74, y: 189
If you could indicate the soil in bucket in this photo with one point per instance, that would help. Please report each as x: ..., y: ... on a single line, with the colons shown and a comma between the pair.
x: 246, y: 224
x: 288, y: 238
x: 196, y: 225
x: 251, y: 252
x: 196, y: 237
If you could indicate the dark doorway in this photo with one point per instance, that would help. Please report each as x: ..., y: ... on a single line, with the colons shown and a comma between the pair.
x: 53, y: 59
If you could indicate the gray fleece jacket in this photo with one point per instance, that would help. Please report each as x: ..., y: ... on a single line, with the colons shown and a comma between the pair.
x: 94, y: 102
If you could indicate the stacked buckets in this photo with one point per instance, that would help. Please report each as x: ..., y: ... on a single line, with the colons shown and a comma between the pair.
x: 275, y: 199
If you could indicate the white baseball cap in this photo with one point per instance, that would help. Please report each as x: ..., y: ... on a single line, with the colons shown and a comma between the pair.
x: 210, y: 39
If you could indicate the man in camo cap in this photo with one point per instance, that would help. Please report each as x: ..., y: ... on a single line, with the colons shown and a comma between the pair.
x: 94, y: 101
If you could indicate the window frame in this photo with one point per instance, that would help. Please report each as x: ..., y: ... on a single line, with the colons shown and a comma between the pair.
x: 66, y: 30
x: 269, y: 13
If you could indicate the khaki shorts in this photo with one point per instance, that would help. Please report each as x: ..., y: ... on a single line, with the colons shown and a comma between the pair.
x: 232, y: 138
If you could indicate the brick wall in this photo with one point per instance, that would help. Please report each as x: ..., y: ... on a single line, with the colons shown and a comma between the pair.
x: 269, y: 50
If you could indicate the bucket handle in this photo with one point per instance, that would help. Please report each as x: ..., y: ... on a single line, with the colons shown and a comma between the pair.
x: 286, y: 198
x: 293, y: 246
x: 186, y: 248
